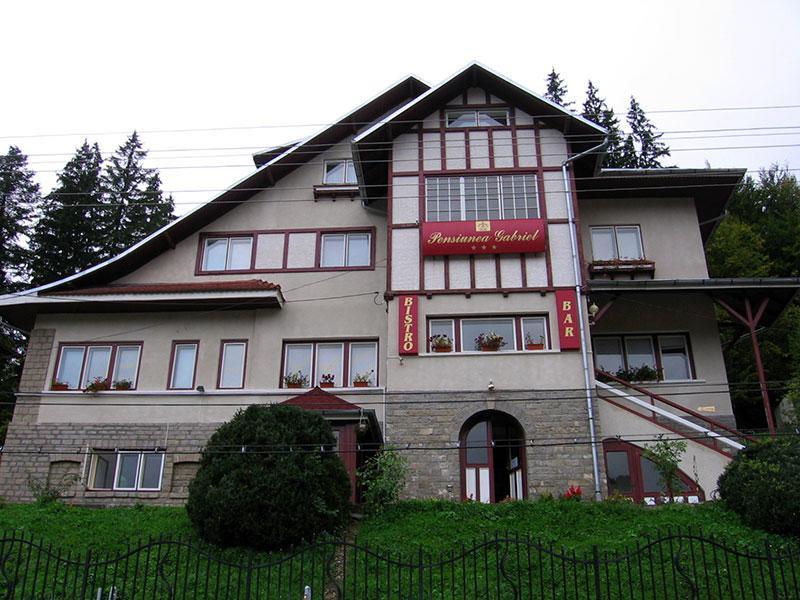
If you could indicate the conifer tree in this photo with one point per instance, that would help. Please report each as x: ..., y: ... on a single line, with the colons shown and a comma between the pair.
x: 136, y: 206
x: 596, y: 110
x: 643, y: 134
x: 19, y: 195
x: 68, y: 236
x: 557, y: 89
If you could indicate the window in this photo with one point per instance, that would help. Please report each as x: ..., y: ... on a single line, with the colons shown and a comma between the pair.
x: 233, y: 355
x: 184, y: 363
x: 345, y: 360
x: 623, y: 242
x: 79, y: 365
x: 632, y: 474
x: 518, y: 333
x: 477, y: 118
x: 341, y: 172
x: 481, y: 197
x: 129, y: 470
x: 667, y: 354
x: 227, y: 253
x: 346, y: 250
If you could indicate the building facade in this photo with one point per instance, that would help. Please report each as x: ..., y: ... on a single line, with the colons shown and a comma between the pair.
x: 450, y: 264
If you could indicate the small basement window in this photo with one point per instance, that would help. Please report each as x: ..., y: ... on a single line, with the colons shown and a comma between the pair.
x: 126, y: 470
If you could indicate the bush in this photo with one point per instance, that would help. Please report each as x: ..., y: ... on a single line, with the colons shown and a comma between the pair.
x: 762, y: 485
x: 383, y: 476
x: 280, y: 491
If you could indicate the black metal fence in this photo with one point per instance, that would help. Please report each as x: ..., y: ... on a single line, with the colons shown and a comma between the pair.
x: 674, y: 565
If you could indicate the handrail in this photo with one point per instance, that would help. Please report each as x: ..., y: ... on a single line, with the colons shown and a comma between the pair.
x: 675, y: 405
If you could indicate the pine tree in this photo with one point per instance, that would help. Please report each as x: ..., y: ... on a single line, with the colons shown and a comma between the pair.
x: 643, y: 133
x: 19, y: 195
x: 557, y: 89
x: 67, y: 237
x: 136, y: 206
x: 596, y: 110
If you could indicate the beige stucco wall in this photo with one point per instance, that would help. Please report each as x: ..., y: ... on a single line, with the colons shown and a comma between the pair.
x: 655, y: 313
x: 669, y: 226
x: 541, y: 370
x: 699, y: 461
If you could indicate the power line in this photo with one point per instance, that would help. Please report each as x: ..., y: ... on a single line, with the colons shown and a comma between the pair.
x: 370, y: 123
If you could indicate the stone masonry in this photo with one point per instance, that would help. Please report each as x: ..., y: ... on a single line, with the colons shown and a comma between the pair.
x: 556, y: 428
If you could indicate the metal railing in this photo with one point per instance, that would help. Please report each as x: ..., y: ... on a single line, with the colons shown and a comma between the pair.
x: 676, y: 564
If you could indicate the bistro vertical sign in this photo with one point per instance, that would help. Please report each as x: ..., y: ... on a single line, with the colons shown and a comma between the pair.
x: 567, y: 314
x: 408, y: 330
x: 510, y: 236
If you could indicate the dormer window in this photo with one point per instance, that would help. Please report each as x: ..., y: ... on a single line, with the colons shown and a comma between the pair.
x: 339, y: 172
x: 477, y: 118
x: 227, y: 253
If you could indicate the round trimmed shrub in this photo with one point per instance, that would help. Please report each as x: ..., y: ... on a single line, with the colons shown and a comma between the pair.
x: 762, y: 485
x: 280, y: 491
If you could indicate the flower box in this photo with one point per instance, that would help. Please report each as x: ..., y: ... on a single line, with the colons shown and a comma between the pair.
x: 490, y: 348
x: 294, y: 385
x: 57, y: 386
x: 442, y: 348
x: 326, y: 384
x: 361, y: 384
x: 534, y: 346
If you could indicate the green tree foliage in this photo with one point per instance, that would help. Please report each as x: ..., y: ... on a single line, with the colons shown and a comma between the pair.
x: 666, y: 456
x: 762, y: 485
x: 19, y: 195
x: 67, y: 237
x: 136, y: 206
x: 596, y: 110
x: 557, y: 89
x: 383, y: 476
x: 760, y: 237
x: 282, y: 491
x: 643, y: 148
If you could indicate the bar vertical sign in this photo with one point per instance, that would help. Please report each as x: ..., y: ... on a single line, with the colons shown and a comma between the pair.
x: 408, y: 331
x: 567, y: 313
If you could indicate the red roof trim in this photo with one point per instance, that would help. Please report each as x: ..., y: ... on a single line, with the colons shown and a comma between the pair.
x: 319, y: 399
x: 247, y: 285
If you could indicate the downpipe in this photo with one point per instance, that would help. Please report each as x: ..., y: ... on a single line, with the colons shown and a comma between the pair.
x: 576, y: 267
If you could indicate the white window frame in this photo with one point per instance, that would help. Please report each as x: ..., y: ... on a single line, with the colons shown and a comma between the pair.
x: 476, y: 113
x: 313, y: 367
x: 346, y: 251
x: 223, y: 349
x: 339, y: 376
x: 686, y: 355
x: 615, y: 241
x: 111, y: 366
x: 228, y: 254
x: 348, y: 163
x: 175, y: 346
x: 374, y: 367
x: 531, y: 212
x: 118, y: 453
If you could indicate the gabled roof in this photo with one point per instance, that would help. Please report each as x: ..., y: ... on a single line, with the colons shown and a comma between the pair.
x: 319, y: 399
x: 710, y: 188
x: 371, y: 147
x: 278, y: 162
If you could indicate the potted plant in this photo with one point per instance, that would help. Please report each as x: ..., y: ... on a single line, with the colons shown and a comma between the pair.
x: 122, y: 384
x: 59, y: 386
x: 98, y: 384
x: 296, y: 380
x: 441, y: 343
x: 363, y: 379
x: 532, y: 343
x: 489, y: 342
x: 643, y: 373
x: 327, y: 380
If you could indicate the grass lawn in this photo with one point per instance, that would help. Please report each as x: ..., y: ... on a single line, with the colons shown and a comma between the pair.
x: 559, y: 562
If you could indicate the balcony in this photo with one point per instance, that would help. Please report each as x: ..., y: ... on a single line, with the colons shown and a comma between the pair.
x: 639, y: 268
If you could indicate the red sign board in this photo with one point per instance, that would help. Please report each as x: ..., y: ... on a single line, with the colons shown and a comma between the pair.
x: 408, y: 330
x: 511, y: 236
x: 567, y: 314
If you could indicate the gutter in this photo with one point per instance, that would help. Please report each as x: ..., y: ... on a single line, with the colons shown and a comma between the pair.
x: 576, y: 266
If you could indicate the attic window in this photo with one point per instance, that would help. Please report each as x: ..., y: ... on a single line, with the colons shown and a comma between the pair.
x: 227, y: 253
x: 339, y: 172
x: 477, y: 118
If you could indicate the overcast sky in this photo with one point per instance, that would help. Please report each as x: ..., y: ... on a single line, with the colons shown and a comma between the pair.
x: 90, y: 68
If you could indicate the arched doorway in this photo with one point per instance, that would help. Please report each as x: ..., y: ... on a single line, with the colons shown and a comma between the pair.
x: 492, y: 457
